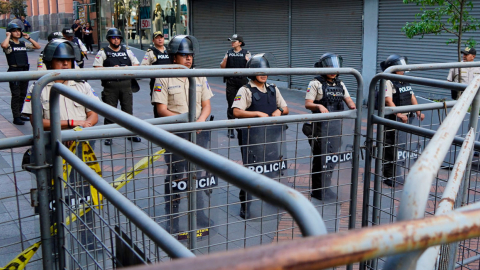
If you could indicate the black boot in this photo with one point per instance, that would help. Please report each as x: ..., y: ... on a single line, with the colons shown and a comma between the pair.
x: 172, y: 220
x: 231, y: 133
x: 18, y: 121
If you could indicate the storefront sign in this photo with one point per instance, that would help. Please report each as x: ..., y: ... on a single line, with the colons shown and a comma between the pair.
x: 146, y: 23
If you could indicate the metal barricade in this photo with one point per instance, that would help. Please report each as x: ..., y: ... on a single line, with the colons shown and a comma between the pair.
x: 95, y: 238
x: 381, y: 201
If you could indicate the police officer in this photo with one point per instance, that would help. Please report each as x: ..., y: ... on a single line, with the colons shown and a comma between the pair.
x: 69, y: 35
x: 156, y: 55
x: 51, y: 36
x: 256, y: 99
x: 17, y: 59
x: 468, y: 74
x: 397, y: 93
x: 170, y: 97
x: 236, y: 57
x: 326, y: 93
x: 61, y: 54
x: 116, y: 55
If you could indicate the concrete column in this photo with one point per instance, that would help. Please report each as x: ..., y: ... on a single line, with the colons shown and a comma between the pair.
x: 370, y: 40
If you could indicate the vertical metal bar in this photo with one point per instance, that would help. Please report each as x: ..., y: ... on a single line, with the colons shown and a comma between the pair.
x: 41, y: 174
x: 379, y: 157
x: 192, y: 195
x: 356, y: 159
x: 56, y: 135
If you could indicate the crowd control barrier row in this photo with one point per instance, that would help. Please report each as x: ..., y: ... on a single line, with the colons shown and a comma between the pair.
x: 300, y: 210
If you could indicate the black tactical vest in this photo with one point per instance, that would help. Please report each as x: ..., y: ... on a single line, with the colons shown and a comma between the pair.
x: 162, y: 58
x: 114, y: 58
x: 18, y: 57
x: 403, y: 93
x: 263, y: 102
x: 332, y: 95
x: 236, y: 59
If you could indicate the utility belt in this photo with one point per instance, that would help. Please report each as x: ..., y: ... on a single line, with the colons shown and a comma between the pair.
x: 242, y: 80
x: 115, y: 82
x: 18, y: 68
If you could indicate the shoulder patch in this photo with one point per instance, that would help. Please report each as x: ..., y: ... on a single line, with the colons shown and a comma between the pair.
x: 238, y: 97
x: 157, y: 88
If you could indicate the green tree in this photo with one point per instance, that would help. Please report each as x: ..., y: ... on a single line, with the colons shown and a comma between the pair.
x: 18, y: 8
x: 443, y: 16
x: 4, y: 7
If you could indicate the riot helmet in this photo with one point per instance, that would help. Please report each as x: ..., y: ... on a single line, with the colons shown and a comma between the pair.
x: 329, y: 60
x: 261, y: 60
x: 394, y: 60
x: 114, y: 32
x: 60, y: 49
x: 68, y: 32
x: 13, y: 26
x: 54, y: 35
x: 183, y: 44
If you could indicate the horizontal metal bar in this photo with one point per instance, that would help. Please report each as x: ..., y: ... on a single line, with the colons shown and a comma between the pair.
x: 340, y: 248
x: 422, y: 81
x: 467, y: 261
x: 420, y: 107
x: 428, y: 259
x: 296, y: 204
x: 137, y: 216
x: 35, y: 75
x: 179, y: 118
x: 424, y: 132
x: 88, y: 133
x: 431, y: 66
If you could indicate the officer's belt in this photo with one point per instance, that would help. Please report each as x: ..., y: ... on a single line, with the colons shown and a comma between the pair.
x: 15, y: 66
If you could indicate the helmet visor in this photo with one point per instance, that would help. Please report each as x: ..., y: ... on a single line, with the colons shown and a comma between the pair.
x: 332, y: 62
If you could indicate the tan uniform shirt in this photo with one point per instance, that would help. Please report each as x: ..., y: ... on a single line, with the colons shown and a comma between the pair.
x: 467, y: 76
x: 101, y: 56
x: 149, y: 58
x: 173, y: 92
x: 243, y: 99
x: 315, y: 91
x: 9, y: 50
x: 68, y: 108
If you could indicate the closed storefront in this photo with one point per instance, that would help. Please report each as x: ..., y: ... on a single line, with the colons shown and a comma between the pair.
x: 392, y: 17
x: 321, y: 26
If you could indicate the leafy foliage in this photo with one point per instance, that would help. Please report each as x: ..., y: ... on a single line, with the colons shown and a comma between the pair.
x: 443, y: 16
x: 18, y: 8
x: 5, y: 7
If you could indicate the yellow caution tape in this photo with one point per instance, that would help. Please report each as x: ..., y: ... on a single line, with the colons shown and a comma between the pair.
x: 22, y: 259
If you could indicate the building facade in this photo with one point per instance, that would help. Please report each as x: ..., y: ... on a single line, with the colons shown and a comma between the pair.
x: 296, y: 32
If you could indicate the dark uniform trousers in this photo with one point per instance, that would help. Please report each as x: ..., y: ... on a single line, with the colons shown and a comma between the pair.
x: 19, y: 91
x: 233, y: 85
x: 328, y: 140
x: 394, y: 140
x: 115, y: 91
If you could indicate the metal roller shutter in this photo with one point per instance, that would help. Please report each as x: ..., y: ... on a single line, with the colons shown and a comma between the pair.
x: 430, y: 49
x: 264, y: 27
x: 212, y: 25
x: 321, y: 26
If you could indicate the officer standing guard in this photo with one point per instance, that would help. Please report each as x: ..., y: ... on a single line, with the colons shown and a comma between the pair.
x: 170, y: 97
x: 17, y: 59
x: 52, y: 36
x: 326, y: 93
x: 69, y: 35
x: 258, y: 99
x: 156, y: 55
x: 468, y: 74
x: 116, y: 55
x: 61, y: 54
x: 236, y: 57
x: 397, y: 94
